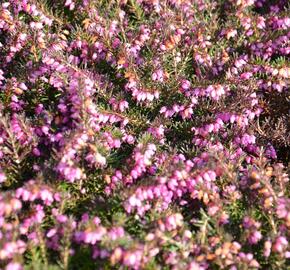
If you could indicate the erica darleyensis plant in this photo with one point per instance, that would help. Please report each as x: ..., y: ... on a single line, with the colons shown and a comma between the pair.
x: 144, y: 134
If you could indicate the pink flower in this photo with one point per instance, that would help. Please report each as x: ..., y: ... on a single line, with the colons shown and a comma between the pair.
x: 14, y: 266
x: 2, y: 177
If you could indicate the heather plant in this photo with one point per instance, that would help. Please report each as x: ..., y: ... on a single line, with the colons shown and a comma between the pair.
x: 144, y: 134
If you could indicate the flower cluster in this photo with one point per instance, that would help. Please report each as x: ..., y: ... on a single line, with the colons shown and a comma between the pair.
x: 144, y: 134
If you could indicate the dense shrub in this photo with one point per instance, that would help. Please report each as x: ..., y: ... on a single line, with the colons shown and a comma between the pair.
x: 144, y: 134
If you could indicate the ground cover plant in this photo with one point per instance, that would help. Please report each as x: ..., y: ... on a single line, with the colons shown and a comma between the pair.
x: 144, y: 134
